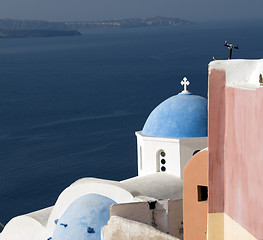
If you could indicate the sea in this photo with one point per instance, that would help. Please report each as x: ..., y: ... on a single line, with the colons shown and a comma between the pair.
x: 69, y: 106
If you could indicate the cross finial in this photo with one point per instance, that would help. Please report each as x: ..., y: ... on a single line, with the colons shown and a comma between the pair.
x: 185, y: 82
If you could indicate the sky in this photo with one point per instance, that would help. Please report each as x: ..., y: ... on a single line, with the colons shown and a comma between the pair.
x: 74, y: 10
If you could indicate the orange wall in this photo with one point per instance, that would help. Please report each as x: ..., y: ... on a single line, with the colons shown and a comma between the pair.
x: 195, y: 213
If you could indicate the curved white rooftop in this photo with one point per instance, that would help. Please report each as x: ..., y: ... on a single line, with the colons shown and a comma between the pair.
x: 158, y: 185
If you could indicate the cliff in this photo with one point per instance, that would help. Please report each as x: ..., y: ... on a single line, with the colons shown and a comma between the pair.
x: 11, y: 28
x: 7, y: 33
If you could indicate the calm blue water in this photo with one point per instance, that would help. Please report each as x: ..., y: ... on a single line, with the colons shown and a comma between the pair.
x: 69, y: 106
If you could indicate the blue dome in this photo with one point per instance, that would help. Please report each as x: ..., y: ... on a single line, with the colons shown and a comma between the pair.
x: 180, y: 116
x: 84, y: 218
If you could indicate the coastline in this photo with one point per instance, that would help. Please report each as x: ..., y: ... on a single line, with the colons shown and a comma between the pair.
x: 7, y: 33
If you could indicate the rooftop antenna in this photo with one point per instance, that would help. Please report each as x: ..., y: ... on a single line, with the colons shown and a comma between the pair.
x: 230, y: 47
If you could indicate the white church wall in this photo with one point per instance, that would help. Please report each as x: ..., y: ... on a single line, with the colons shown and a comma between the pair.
x: 149, y: 159
x: 177, y: 153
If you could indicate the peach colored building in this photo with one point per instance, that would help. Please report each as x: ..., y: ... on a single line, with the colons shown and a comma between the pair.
x: 195, y: 197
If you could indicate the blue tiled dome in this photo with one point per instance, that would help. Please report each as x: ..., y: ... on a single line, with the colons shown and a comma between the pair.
x: 180, y: 116
x: 84, y: 218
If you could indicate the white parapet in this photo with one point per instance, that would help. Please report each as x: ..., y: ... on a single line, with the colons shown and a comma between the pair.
x: 164, y: 215
x: 119, y: 228
x: 240, y: 73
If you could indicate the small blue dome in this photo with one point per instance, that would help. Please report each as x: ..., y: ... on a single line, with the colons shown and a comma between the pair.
x: 84, y: 218
x: 180, y: 116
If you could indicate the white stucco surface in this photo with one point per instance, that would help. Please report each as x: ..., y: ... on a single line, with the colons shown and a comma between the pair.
x: 24, y: 228
x: 121, y: 228
x: 240, y: 73
x: 30, y: 226
x: 157, y: 185
x: 42, y: 215
x: 141, y: 212
x: 165, y: 215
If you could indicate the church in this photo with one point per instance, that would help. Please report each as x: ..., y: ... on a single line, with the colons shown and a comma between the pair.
x: 183, y: 190
x: 174, y: 131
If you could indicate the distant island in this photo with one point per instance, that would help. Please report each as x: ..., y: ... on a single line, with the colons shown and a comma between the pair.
x: 34, y: 28
x: 7, y: 33
x: 13, y: 28
x: 128, y: 23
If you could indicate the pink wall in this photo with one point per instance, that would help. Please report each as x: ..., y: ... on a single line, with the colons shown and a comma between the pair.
x: 244, y: 158
x: 236, y: 153
x: 216, y: 126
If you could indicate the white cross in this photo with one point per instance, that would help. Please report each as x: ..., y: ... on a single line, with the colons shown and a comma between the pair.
x: 185, y: 82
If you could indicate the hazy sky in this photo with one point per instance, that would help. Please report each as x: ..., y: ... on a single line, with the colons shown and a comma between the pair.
x: 195, y: 10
